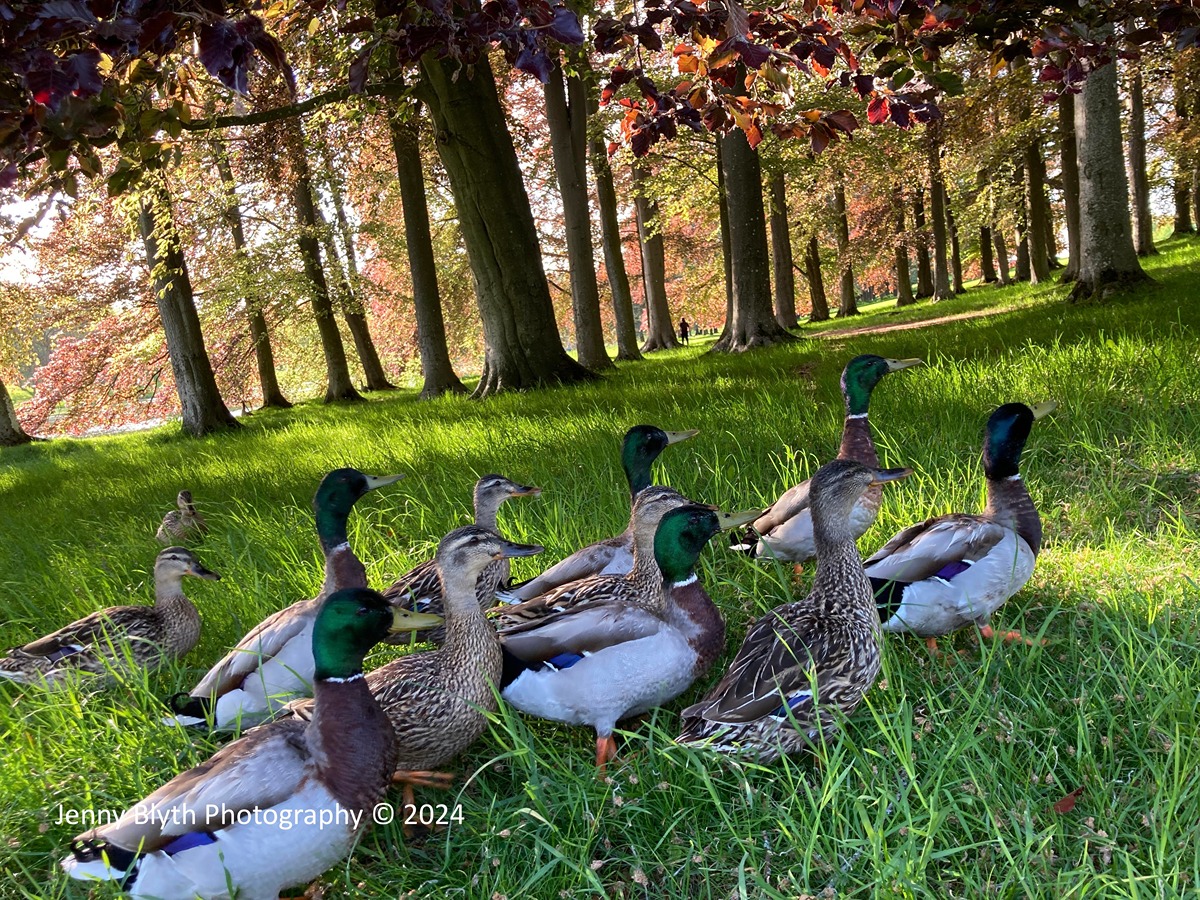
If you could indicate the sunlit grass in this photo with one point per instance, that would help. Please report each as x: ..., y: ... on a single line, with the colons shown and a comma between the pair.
x: 942, y: 784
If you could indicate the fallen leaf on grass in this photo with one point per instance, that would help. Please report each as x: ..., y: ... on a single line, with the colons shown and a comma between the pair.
x: 1067, y: 803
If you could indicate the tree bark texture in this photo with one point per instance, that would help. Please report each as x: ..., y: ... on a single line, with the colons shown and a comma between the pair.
x: 1001, y: 256
x: 904, y: 292
x: 723, y: 218
x: 924, y: 266
x: 1143, y: 223
x: 353, y: 311
x: 614, y: 256
x: 1035, y: 183
x: 660, y: 330
x: 1185, y: 185
x: 566, y: 115
x: 753, y: 323
x: 11, y: 432
x: 1070, y: 180
x: 781, y: 253
x: 340, y: 386
x: 816, y: 282
x: 956, y: 281
x: 436, y: 368
x: 260, y: 337
x: 847, y: 296
x: 199, y: 399
x: 987, y: 261
x: 1023, y: 272
x: 1106, y: 254
x: 522, y: 345
x: 937, y: 212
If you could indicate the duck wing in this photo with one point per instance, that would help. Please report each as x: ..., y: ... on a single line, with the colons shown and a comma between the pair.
x: 791, y: 503
x: 776, y: 665
x: 613, y: 556
x: 417, y: 588
x: 114, y: 624
x: 934, y: 548
x: 265, y: 641
x: 579, y: 631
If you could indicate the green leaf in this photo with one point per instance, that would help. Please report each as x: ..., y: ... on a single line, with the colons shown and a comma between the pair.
x: 950, y: 83
x: 901, y: 78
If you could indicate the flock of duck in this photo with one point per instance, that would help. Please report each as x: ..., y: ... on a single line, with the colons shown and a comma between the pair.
x: 614, y: 630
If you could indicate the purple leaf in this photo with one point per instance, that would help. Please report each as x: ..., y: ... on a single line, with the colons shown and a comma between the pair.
x: 67, y: 11
x: 864, y: 84
x: 533, y: 60
x: 565, y: 27
x: 753, y: 55
x: 83, y: 68
x: 8, y: 176
x: 218, y: 42
x: 48, y: 86
x: 359, y: 68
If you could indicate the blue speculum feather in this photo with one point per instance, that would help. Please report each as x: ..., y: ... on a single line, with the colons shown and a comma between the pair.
x: 950, y: 569
x: 564, y: 660
x: 188, y: 841
x: 792, y: 703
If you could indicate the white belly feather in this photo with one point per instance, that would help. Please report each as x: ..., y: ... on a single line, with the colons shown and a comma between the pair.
x: 279, y: 680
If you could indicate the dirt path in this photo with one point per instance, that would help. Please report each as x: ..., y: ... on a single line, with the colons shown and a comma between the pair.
x: 907, y: 326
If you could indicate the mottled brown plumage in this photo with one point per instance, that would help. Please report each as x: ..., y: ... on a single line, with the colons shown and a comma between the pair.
x: 438, y: 701
x: 183, y: 524
x: 420, y: 589
x: 106, y: 639
x: 807, y: 662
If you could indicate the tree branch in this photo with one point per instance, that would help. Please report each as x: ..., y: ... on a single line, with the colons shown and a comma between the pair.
x: 393, y: 89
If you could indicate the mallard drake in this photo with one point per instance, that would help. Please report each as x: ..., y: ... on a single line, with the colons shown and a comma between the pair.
x: 421, y: 588
x: 613, y: 556
x: 110, y: 638
x: 182, y: 524
x: 614, y: 646
x: 806, y: 661
x: 438, y: 701
x: 273, y: 664
x: 785, y: 531
x: 278, y: 806
x: 956, y: 570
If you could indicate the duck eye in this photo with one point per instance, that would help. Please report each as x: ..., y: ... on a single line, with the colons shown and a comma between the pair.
x: 362, y: 611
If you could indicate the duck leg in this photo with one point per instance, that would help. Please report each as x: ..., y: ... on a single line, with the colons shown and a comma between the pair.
x: 442, y: 781
x: 606, y: 750
x: 1009, y: 637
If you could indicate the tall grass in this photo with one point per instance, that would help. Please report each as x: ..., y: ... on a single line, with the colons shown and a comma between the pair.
x: 942, y: 784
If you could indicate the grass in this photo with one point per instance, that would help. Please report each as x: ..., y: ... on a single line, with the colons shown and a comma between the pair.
x: 942, y: 784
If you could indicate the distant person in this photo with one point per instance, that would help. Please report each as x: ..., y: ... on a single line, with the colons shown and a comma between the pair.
x: 683, y: 331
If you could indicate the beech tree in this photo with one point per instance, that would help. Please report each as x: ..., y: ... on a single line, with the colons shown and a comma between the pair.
x: 1143, y: 222
x: 781, y: 253
x: 11, y: 432
x: 660, y: 329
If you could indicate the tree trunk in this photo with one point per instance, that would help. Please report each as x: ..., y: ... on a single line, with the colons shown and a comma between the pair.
x: 567, y: 120
x: 1023, y: 272
x: 199, y: 399
x: 1039, y: 253
x: 1185, y: 185
x: 353, y: 308
x: 522, y: 345
x: 427, y: 301
x: 937, y: 211
x: 259, y: 336
x: 956, y: 281
x: 660, y: 330
x: 987, y: 262
x: 924, y: 268
x: 614, y: 255
x: 847, y: 296
x: 11, y: 432
x: 723, y: 218
x: 340, y: 386
x: 1106, y: 254
x: 781, y: 253
x: 1070, y: 181
x: 353, y: 312
x: 904, y: 293
x: 816, y: 283
x: 753, y: 323
x: 1001, y: 256
x: 1143, y: 223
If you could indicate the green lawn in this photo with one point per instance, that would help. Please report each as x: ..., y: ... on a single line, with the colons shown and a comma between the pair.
x: 943, y: 782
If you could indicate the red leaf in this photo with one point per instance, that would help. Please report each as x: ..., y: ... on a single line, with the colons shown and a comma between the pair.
x: 1067, y: 803
x: 877, y: 110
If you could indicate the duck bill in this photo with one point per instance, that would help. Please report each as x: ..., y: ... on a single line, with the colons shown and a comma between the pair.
x: 508, y: 550
x: 200, y: 572
x: 885, y: 475
x: 404, y: 620
x: 895, y: 365
x: 526, y: 490
x: 378, y: 481
x: 1043, y: 409
x: 730, y: 521
x: 674, y: 437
